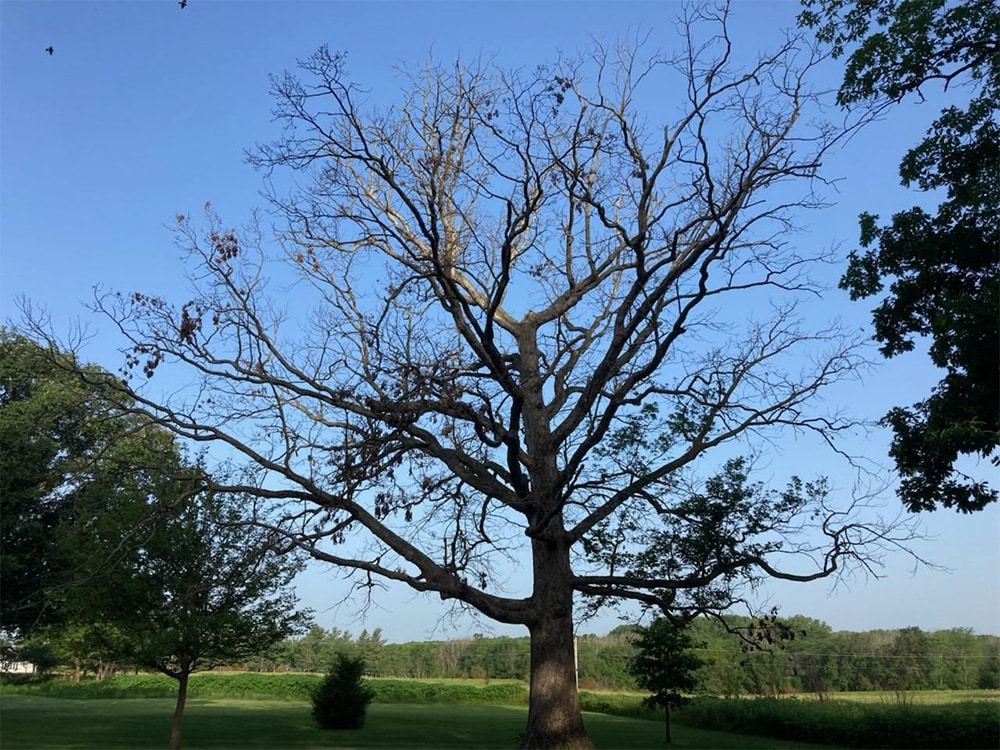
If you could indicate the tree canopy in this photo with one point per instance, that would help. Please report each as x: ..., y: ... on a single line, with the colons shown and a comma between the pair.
x: 525, y: 318
x: 205, y: 586
x: 69, y: 452
x: 664, y: 665
x: 110, y: 537
x: 938, y: 273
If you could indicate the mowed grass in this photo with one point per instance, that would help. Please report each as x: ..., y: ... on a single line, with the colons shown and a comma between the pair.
x: 36, y: 722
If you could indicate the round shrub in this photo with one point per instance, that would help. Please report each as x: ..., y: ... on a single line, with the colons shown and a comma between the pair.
x: 341, y: 700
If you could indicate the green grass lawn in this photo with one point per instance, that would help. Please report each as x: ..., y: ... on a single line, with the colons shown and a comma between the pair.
x: 36, y: 722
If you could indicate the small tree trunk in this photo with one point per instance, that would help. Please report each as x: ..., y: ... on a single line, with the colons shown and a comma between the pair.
x: 175, y: 725
x: 554, y: 718
x: 666, y: 721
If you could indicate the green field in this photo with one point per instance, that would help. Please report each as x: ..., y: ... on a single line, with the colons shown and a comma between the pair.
x: 30, y: 722
x: 919, y: 697
x: 247, y: 709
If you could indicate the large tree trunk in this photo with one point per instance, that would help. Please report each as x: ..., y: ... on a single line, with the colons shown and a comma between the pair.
x: 554, y: 718
x: 175, y: 725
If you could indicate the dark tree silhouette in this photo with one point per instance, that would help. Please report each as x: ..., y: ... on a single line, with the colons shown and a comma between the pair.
x: 514, y: 341
x: 664, y: 665
x: 938, y: 276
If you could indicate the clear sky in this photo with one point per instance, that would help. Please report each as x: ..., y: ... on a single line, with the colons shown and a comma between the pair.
x: 144, y: 110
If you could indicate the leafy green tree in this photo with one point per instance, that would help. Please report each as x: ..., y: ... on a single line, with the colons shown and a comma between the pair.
x: 312, y: 651
x: 810, y: 655
x: 942, y: 268
x: 418, y: 661
x: 909, y: 657
x: 68, y: 452
x: 86, y: 647
x: 603, y: 662
x: 204, y: 587
x: 369, y: 646
x: 664, y: 665
x: 317, y: 649
x: 41, y: 654
x: 989, y: 668
x: 957, y: 656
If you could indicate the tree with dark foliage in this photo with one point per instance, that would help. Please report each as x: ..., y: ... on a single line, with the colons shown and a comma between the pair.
x: 664, y: 665
x: 939, y: 272
x: 205, y: 586
x: 69, y: 451
x: 341, y: 700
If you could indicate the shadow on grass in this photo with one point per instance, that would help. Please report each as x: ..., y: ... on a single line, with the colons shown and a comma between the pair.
x: 33, y: 722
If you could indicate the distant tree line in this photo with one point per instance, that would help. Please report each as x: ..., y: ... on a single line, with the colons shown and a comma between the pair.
x: 816, y: 659
x: 806, y: 656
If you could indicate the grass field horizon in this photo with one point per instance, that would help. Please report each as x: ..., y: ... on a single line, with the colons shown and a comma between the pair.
x: 248, y: 709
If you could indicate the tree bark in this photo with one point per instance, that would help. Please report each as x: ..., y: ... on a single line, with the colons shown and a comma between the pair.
x: 554, y: 718
x: 666, y: 721
x: 175, y: 725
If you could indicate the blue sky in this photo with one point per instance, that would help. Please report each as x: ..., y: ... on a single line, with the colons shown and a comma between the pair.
x: 144, y: 111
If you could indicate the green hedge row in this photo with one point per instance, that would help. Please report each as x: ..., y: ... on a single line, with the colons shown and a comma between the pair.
x: 201, y: 685
x: 408, y: 691
x: 617, y: 704
x: 283, y: 686
x: 297, y: 686
x: 970, y: 724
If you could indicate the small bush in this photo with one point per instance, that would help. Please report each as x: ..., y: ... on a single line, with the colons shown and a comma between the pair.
x: 341, y: 700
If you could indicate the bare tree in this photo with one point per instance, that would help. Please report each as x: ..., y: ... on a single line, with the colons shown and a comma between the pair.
x: 518, y: 315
